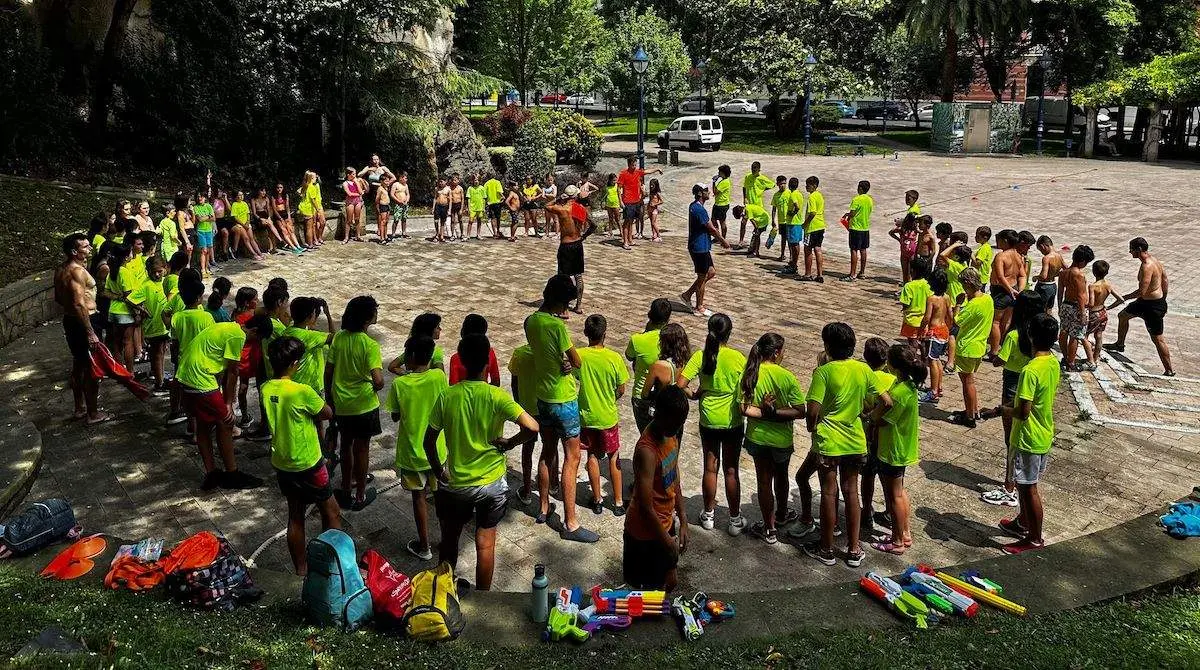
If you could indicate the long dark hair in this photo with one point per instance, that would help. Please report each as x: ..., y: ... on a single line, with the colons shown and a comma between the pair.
x: 719, y: 328
x: 1028, y: 304
x: 907, y: 363
x: 767, y: 347
x: 673, y: 344
x: 359, y: 313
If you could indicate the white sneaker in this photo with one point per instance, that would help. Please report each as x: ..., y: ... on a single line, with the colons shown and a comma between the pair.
x: 999, y: 497
x: 706, y: 519
x: 736, y: 525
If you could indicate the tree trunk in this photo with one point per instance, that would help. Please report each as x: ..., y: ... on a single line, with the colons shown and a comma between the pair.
x: 1153, y: 133
x: 1069, y: 129
x: 1140, y: 120
x: 1089, y: 134
x: 106, y: 71
x: 950, y: 61
x: 1120, y: 128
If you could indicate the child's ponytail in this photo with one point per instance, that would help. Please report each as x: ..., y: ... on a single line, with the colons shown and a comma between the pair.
x: 765, y: 349
x: 908, y: 364
x: 719, y: 328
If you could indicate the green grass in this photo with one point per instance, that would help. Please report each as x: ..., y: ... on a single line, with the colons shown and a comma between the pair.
x: 627, y: 124
x: 917, y: 139
x: 142, y: 631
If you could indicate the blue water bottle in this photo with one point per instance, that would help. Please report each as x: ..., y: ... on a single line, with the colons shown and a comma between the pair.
x: 540, y: 606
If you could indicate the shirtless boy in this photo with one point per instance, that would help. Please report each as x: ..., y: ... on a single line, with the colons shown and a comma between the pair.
x: 400, y: 198
x: 441, y: 210
x: 1098, y: 294
x: 1149, y: 303
x: 383, y: 209
x: 75, y: 291
x: 936, y: 329
x: 1007, y: 280
x: 926, y: 241
x: 1073, y: 308
x: 1052, y: 266
x: 570, y: 241
x: 512, y: 202
x: 456, y: 209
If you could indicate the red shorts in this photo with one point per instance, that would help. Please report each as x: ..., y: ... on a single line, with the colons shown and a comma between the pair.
x: 601, y: 441
x: 205, y: 407
x: 251, y: 360
x: 910, y: 332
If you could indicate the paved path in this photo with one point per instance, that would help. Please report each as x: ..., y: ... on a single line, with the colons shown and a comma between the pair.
x: 135, y: 478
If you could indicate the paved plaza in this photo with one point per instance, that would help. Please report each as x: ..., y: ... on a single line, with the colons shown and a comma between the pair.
x: 135, y: 478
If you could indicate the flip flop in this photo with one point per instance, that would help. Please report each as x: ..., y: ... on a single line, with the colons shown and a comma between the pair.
x: 889, y: 548
x: 101, y: 417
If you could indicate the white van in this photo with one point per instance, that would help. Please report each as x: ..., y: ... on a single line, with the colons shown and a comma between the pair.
x: 693, y: 132
x: 1054, y: 114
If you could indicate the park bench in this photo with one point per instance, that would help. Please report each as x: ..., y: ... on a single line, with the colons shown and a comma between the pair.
x: 856, y: 140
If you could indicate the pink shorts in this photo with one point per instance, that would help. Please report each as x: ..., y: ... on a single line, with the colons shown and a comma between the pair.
x: 601, y: 442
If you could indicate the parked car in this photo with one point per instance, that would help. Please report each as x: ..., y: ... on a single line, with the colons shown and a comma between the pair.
x: 693, y: 132
x: 924, y: 114
x: 692, y: 104
x: 552, y: 98
x: 781, y: 107
x: 844, y: 107
x: 580, y: 99
x: 1054, y: 114
x: 738, y: 106
x: 875, y: 109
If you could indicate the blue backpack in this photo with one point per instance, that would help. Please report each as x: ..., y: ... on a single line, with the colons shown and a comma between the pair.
x: 334, y: 593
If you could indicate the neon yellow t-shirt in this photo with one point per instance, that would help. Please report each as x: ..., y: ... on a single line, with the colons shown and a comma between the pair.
x: 1038, y: 384
x: 816, y: 207
x: 186, y: 324
x: 150, y: 295
x: 548, y: 338
x: 413, y: 396
x: 954, y: 287
x: 311, y: 371
x: 476, y: 199
x: 168, y: 234
x: 472, y: 414
x: 642, y: 350
x: 277, y: 328
x: 721, y: 192
x: 914, y: 209
x: 785, y: 388
x: 861, y: 207
x: 899, y: 443
x: 122, y: 282
x: 494, y: 191
x: 718, y: 397
x: 842, y: 388
x: 758, y: 216
x: 520, y: 366
x: 240, y: 211
x: 753, y: 186
x: 353, y: 356
x: 1010, y: 352
x: 779, y: 201
x: 171, y: 288
x: 795, y: 207
x: 290, y: 407
x: 914, y: 296
x: 203, y: 209
x: 532, y: 192
x: 611, y: 197
x: 602, y: 372
x: 208, y: 354
x: 984, y: 254
x: 974, y: 326
x: 307, y: 205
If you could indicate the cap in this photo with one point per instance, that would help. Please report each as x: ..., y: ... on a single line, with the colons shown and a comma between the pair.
x: 697, y: 189
x: 572, y: 191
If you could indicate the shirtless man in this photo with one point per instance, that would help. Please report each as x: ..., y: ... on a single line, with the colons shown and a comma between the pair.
x: 1007, y: 281
x: 1052, y: 266
x: 457, y: 199
x: 75, y: 292
x: 400, y: 198
x: 1149, y: 303
x: 1073, y: 309
x: 573, y: 228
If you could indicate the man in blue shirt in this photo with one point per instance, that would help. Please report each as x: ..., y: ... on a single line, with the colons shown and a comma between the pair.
x: 701, y: 232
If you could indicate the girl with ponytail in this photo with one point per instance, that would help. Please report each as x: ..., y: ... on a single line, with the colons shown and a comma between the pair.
x: 771, y: 399
x: 899, y: 423
x: 673, y: 353
x: 719, y: 369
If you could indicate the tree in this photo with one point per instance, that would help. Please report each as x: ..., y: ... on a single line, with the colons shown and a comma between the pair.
x: 666, y: 79
x: 528, y: 42
x: 581, y: 61
x: 910, y: 69
x: 986, y: 20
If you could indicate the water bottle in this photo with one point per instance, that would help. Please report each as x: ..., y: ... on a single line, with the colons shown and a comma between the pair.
x: 540, y: 609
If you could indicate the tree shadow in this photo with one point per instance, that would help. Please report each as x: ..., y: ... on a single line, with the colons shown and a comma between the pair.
x: 957, y: 475
x: 954, y: 526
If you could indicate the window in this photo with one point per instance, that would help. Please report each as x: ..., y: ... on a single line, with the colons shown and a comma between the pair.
x: 705, y: 125
x: 716, y: 124
x: 690, y: 124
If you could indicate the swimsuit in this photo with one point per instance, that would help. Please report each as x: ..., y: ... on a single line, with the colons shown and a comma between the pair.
x: 353, y: 194
x: 1097, y: 321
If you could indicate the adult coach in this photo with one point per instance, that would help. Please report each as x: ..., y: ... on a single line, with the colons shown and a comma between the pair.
x: 1149, y: 303
x: 629, y: 185
x: 374, y: 173
x: 573, y: 227
x: 701, y: 232
x: 75, y: 292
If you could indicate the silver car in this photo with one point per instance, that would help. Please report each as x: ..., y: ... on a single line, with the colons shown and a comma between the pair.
x: 738, y: 106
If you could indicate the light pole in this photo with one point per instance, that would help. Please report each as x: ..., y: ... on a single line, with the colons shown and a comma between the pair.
x: 1043, y: 61
x: 640, y: 63
x: 809, y: 64
x: 700, y: 67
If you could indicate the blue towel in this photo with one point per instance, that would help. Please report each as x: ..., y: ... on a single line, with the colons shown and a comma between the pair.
x: 1183, y: 520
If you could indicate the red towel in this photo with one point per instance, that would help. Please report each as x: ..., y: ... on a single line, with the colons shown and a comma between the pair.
x: 104, y: 365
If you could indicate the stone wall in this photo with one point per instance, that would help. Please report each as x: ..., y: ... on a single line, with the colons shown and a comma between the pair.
x: 26, y: 304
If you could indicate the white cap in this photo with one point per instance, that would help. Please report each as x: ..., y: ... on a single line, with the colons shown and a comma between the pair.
x: 700, y: 186
x: 572, y: 191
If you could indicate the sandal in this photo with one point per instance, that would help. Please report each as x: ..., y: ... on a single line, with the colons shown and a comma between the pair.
x: 889, y: 547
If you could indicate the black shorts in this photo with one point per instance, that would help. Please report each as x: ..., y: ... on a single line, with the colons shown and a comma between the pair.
x: 815, y: 239
x: 360, y: 426
x: 485, y: 505
x: 733, y: 435
x: 878, y: 467
x: 1008, y: 386
x: 646, y: 563
x: 1001, y: 298
x: 701, y: 261
x: 642, y: 413
x: 440, y: 212
x: 570, y: 258
x: 226, y: 222
x: 77, y: 338
x: 1149, y: 311
x: 778, y: 455
x: 719, y: 212
x: 455, y: 207
x: 191, y: 236
x: 494, y: 210
x: 384, y: 209
x: 860, y: 240
x: 309, y: 486
x: 530, y: 205
x: 1048, y: 290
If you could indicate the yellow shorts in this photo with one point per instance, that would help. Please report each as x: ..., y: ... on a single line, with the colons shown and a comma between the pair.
x: 967, y: 365
x: 417, y: 480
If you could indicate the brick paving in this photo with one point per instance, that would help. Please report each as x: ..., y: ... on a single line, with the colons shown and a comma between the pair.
x: 134, y: 478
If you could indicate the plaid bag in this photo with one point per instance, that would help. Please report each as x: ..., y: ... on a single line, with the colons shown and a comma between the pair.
x: 220, y: 586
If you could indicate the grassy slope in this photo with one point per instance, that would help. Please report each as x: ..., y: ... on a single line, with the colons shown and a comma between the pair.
x: 144, y: 632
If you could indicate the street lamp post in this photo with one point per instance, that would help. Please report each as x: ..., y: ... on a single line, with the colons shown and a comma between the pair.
x: 1043, y: 61
x: 640, y: 63
x: 809, y: 64
x: 700, y: 67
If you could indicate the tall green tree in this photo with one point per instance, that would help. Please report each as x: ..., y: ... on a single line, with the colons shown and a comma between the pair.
x: 950, y: 20
x: 910, y: 69
x: 666, y: 79
x: 530, y: 42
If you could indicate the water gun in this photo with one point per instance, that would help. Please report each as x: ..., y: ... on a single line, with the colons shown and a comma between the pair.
x: 897, y: 599
x: 930, y: 597
x: 979, y: 594
x: 564, y: 621
x: 598, y: 622
x: 631, y: 603
x: 771, y: 236
x: 712, y: 610
x: 963, y: 604
x: 688, y: 615
x: 980, y: 582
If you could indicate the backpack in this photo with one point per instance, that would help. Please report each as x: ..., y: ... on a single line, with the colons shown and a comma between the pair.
x: 221, y: 585
x: 435, y: 613
x: 334, y: 593
x: 39, y: 525
x: 391, y: 591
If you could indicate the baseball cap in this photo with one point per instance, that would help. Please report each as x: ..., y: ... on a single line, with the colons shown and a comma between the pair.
x: 699, y: 187
x: 572, y: 191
